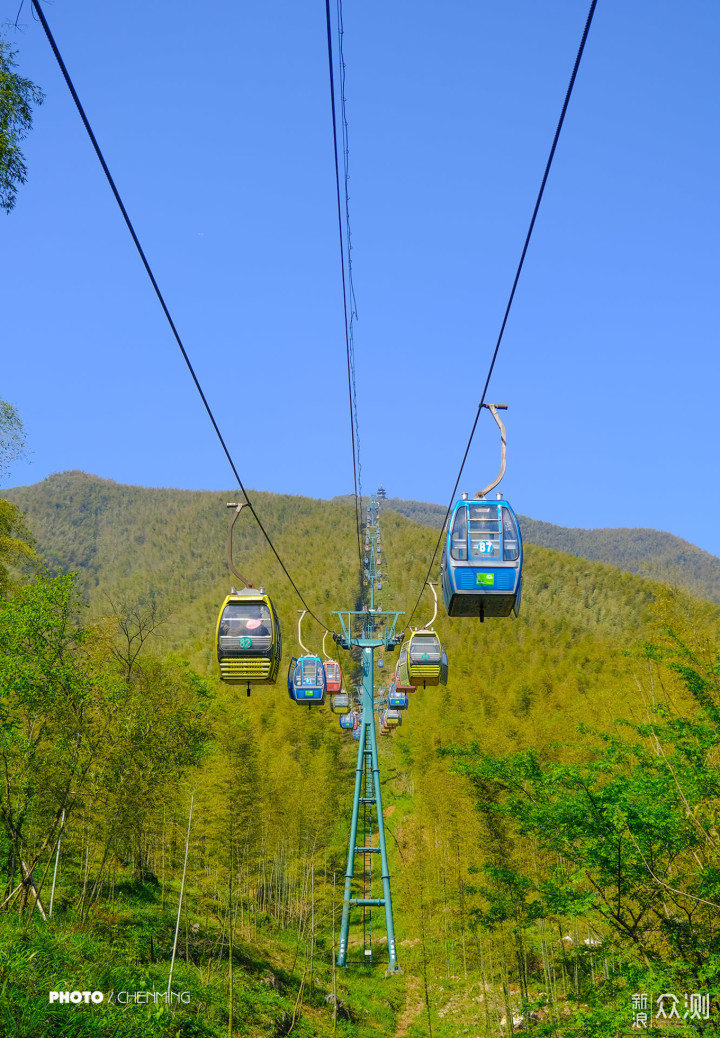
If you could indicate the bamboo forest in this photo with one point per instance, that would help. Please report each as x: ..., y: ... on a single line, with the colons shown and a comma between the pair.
x: 550, y: 814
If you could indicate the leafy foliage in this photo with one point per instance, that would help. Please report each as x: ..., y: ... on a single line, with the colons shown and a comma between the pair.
x: 15, y: 542
x: 17, y: 97
x: 625, y: 836
x: 12, y: 437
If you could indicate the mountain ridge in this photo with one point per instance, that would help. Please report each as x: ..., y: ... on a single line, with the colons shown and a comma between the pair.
x: 654, y: 554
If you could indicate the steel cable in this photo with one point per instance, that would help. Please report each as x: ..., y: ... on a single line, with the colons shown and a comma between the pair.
x: 348, y: 351
x: 143, y: 257
x: 512, y: 295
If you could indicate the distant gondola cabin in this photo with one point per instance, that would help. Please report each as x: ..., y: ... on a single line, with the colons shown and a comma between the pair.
x: 393, y: 718
x: 481, y: 566
x: 422, y: 661
x: 340, y: 703
x: 397, y: 700
x: 306, y: 680
x: 333, y: 676
x: 248, y: 640
x: 399, y: 687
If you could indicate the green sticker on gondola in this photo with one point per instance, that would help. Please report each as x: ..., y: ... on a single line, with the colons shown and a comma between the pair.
x: 484, y: 579
x: 245, y: 643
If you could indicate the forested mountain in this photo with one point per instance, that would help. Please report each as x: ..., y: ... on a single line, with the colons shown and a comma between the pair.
x: 650, y: 553
x: 551, y: 813
x: 86, y: 523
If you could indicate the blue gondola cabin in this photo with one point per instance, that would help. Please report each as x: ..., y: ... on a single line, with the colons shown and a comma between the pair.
x: 306, y: 680
x: 481, y: 564
x: 397, y: 700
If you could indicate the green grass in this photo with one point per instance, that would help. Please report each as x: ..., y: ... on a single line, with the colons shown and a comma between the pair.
x: 113, y: 952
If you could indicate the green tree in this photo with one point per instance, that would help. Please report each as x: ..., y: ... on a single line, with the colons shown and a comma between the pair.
x: 621, y: 831
x: 12, y: 436
x: 17, y: 97
x: 15, y: 541
x: 15, y: 537
x: 77, y: 731
x: 49, y: 692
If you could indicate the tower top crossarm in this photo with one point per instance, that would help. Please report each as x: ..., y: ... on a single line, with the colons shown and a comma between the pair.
x: 374, y: 629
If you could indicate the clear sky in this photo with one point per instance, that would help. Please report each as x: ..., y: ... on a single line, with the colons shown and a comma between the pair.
x: 215, y: 121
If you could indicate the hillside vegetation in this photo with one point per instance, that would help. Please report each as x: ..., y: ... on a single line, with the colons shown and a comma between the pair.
x: 551, y: 813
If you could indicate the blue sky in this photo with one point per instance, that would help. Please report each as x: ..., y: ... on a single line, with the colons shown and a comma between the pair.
x: 215, y: 122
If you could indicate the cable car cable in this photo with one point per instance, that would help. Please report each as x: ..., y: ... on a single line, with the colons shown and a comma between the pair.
x: 512, y: 292
x: 348, y: 341
x: 348, y: 236
x: 138, y: 246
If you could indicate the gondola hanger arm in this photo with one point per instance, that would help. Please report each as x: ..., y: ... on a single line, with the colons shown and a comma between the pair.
x: 493, y: 409
x: 300, y: 620
x: 432, y: 588
x: 228, y: 547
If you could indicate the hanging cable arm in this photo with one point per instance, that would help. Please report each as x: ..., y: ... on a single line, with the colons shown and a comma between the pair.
x: 493, y: 409
x: 229, y: 542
